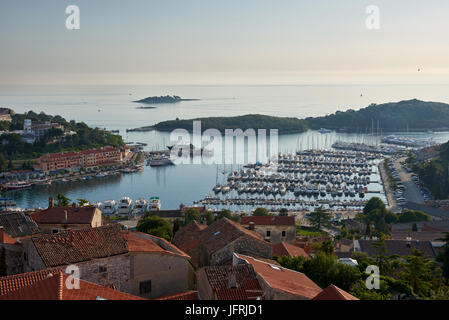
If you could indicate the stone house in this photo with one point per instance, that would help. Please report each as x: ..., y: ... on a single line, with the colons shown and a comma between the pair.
x: 279, y: 283
x: 131, y: 262
x: 219, y: 241
x: 274, y: 229
x: 56, y: 219
x: 187, y: 239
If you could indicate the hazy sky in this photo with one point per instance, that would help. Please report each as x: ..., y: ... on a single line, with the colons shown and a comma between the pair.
x: 223, y: 42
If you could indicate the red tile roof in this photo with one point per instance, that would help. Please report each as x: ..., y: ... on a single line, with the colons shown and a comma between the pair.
x: 53, y: 287
x: 224, y: 231
x: 248, y: 287
x: 14, y: 282
x: 56, y: 215
x: 5, y: 238
x: 81, y: 245
x: 287, y: 249
x: 334, y: 293
x: 189, y: 295
x: 269, y: 220
x: 283, y: 279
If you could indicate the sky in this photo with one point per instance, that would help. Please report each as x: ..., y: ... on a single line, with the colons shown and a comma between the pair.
x: 224, y: 42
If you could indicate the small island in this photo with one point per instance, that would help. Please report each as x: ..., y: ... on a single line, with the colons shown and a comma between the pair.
x: 250, y: 121
x: 162, y: 99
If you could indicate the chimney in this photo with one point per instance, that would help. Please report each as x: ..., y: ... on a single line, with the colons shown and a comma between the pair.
x: 65, y: 216
x: 51, y: 202
x: 73, y: 205
x: 232, y: 283
x: 251, y: 225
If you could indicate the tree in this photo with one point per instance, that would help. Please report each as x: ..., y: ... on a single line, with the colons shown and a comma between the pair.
x: 3, y: 162
x: 372, y: 204
x: 283, y: 212
x: 225, y: 213
x: 82, y: 202
x: 177, y: 223
x: 62, y: 200
x: 327, y: 247
x: 260, y: 212
x: 209, y: 217
x: 443, y: 257
x: 156, y: 226
x: 417, y: 272
x: 320, y: 218
x: 192, y: 214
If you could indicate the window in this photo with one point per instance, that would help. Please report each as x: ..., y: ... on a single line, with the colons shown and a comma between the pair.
x: 283, y: 233
x: 268, y: 233
x: 102, y: 269
x: 145, y: 287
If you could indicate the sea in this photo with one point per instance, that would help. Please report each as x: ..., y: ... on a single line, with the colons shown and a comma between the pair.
x: 112, y: 108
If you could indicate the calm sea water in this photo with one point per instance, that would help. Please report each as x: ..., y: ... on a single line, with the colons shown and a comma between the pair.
x: 111, y: 107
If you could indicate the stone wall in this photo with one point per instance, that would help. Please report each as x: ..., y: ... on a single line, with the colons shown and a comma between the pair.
x: 169, y: 274
x: 244, y: 245
x: 204, y: 289
x: 276, y: 233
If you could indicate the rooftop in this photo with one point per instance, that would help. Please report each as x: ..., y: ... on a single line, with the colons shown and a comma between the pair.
x: 283, y: 279
x: 52, y: 286
x: 287, y: 249
x: 56, y: 215
x: 269, y: 220
x: 334, y: 293
x: 399, y: 247
x: 18, y: 224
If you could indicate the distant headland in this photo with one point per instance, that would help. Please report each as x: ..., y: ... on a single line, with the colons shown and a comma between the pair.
x: 408, y: 115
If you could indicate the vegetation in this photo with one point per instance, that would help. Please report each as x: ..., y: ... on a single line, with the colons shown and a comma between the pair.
x: 192, y: 214
x: 62, y: 200
x: 403, y: 115
x: 156, y: 226
x: 252, y: 121
x: 163, y: 99
x: 12, y: 147
x: 310, y: 232
x: 261, y: 212
x: 320, y: 218
x: 435, y: 173
x: 393, y: 184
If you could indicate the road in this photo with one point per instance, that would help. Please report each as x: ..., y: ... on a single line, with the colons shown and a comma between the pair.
x: 412, y: 192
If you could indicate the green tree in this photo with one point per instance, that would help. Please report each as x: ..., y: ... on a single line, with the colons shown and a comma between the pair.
x: 225, y: 213
x: 156, y: 226
x: 177, y: 224
x: 209, y: 217
x: 192, y: 214
x: 327, y: 247
x: 283, y: 212
x: 260, y: 212
x: 373, y: 204
x: 62, y: 200
x: 417, y: 273
x: 443, y: 257
x: 320, y: 218
x: 82, y: 202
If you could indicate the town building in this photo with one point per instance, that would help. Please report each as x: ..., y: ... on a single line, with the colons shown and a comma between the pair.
x: 279, y: 283
x: 274, y: 229
x: 334, y: 293
x: 55, y: 219
x: 94, y: 158
x: 187, y: 239
x: 132, y: 262
x: 51, y: 284
x: 286, y: 249
x: 219, y: 241
x: 229, y: 283
x: 36, y: 131
x: 397, y: 247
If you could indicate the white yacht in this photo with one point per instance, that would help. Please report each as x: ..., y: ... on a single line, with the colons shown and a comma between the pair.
x: 109, y: 207
x: 125, y: 205
x: 155, y: 204
x: 141, y: 206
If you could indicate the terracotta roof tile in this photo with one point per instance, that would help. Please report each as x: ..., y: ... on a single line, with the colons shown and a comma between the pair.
x: 222, y: 232
x: 5, y: 238
x: 269, y: 220
x: 334, y: 293
x: 53, y: 287
x: 399, y: 247
x: 287, y: 249
x: 283, y: 279
x: 81, y: 245
x: 248, y: 287
x: 189, y: 295
x: 56, y: 215
x: 18, y: 224
x: 14, y: 282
